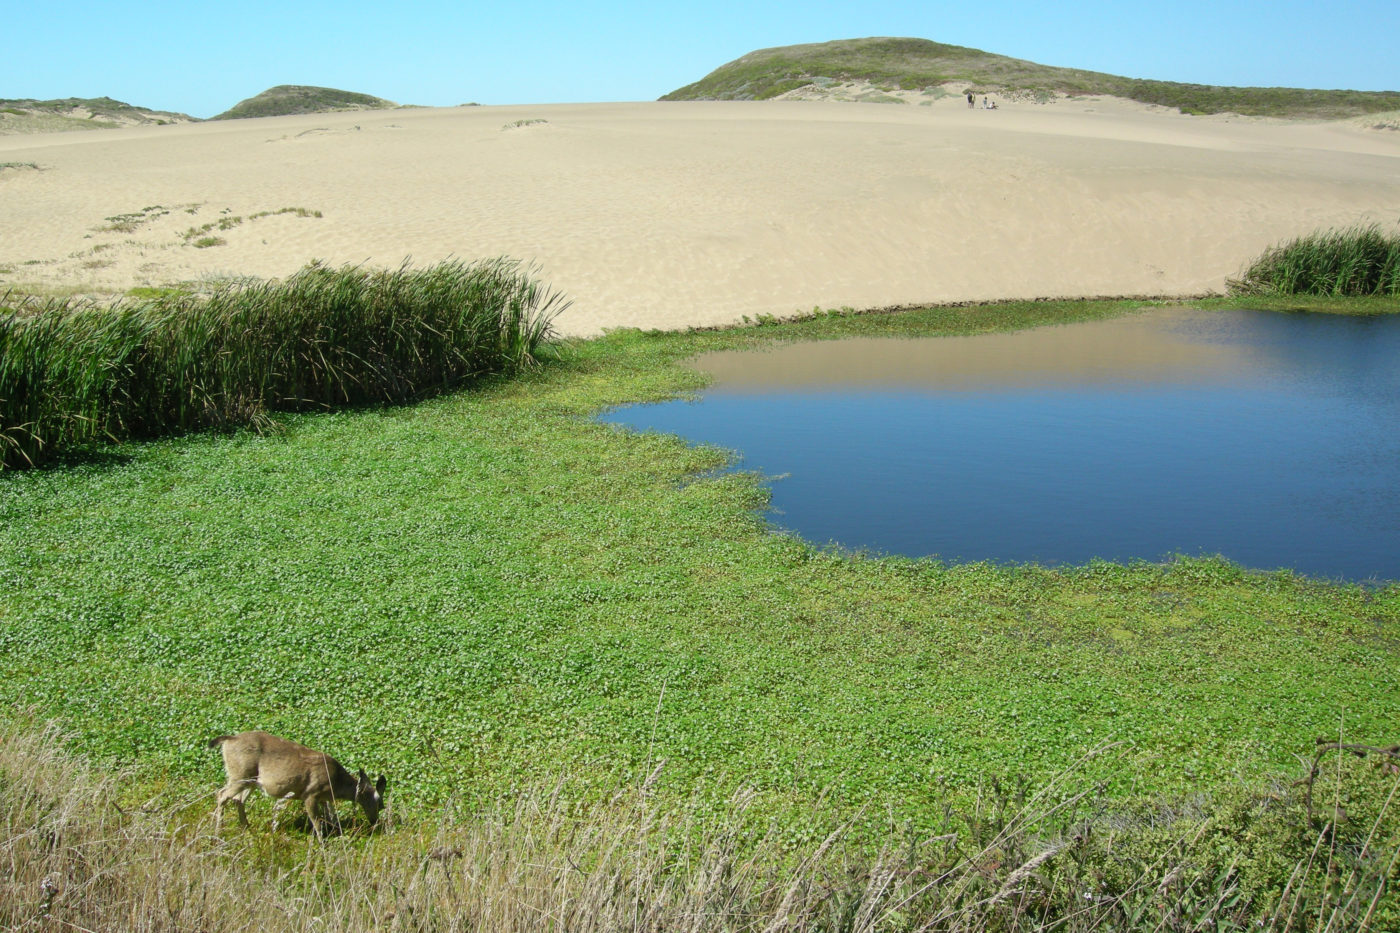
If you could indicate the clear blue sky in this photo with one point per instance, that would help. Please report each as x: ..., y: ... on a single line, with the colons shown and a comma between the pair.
x: 202, y: 58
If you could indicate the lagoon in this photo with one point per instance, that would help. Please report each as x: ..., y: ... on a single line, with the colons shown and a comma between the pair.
x: 1271, y: 439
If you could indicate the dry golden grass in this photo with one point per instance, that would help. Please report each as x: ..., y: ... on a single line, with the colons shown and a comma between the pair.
x: 77, y: 854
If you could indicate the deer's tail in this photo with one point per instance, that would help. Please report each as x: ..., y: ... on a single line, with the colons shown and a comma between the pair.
x: 219, y: 740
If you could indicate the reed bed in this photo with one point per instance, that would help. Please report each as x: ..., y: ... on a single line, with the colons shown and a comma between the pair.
x: 76, y: 852
x: 1357, y: 261
x: 74, y: 374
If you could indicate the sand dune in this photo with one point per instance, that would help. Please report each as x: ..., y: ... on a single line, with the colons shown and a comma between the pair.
x: 672, y: 214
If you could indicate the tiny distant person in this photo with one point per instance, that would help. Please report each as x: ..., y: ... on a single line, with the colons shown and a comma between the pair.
x: 969, y: 100
x: 985, y: 105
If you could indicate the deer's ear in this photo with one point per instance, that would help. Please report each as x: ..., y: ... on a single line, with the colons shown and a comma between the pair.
x: 380, y: 784
x: 364, y: 778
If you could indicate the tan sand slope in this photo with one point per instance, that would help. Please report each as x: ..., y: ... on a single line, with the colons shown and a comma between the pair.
x: 672, y: 214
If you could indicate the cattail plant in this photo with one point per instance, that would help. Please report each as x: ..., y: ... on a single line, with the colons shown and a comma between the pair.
x: 1357, y: 261
x: 75, y: 373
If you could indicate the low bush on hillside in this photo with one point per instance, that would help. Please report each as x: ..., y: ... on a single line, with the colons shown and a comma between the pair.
x: 1260, y: 101
x: 74, y: 373
x: 1355, y: 262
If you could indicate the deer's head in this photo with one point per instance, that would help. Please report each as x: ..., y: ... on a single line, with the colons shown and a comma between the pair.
x: 370, y: 796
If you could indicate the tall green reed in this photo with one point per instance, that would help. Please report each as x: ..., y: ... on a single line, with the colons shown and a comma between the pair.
x: 62, y: 369
x: 72, y: 374
x: 1356, y: 261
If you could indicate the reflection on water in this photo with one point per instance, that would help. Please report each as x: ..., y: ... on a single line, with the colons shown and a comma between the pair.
x: 1269, y: 438
x: 1123, y: 350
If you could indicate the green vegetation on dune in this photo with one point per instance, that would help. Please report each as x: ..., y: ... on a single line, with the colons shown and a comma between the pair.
x: 288, y: 99
x: 79, y: 113
x: 909, y: 64
x: 1261, y: 101
x: 912, y: 64
x: 98, y: 105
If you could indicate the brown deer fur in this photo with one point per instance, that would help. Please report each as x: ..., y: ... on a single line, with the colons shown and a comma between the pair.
x: 286, y: 771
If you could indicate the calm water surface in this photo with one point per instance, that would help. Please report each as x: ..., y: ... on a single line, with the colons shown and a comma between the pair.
x: 1271, y: 439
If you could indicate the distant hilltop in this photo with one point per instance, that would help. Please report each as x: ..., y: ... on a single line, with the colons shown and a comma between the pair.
x: 79, y: 113
x: 902, y: 65
x: 297, y: 98
x: 76, y: 113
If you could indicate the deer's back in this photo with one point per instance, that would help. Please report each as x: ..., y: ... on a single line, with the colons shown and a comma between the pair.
x: 281, y: 766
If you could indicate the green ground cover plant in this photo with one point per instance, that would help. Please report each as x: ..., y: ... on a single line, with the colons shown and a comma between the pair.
x: 75, y: 374
x: 568, y: 643
x: 481, y: 587
x: 1359, y: 261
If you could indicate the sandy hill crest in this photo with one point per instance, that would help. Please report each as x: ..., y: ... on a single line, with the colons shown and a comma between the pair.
x: 287, y: 99
x: 889, y: 70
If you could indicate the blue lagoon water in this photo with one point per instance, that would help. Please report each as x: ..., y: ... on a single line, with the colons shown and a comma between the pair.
x: 1271, y: 439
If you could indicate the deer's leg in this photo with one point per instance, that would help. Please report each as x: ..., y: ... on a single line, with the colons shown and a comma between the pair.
x: 316, y: 811
x: 236, y: 791
x: 329, y: 815
x: 221, y: 800
x: 239, y: 800
x: 277, y: 808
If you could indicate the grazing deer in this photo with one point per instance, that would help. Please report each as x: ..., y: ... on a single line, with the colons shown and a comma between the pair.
x: 288, y: 771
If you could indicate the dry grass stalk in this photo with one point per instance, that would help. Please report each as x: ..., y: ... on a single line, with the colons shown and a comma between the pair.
x: 76, y: 854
